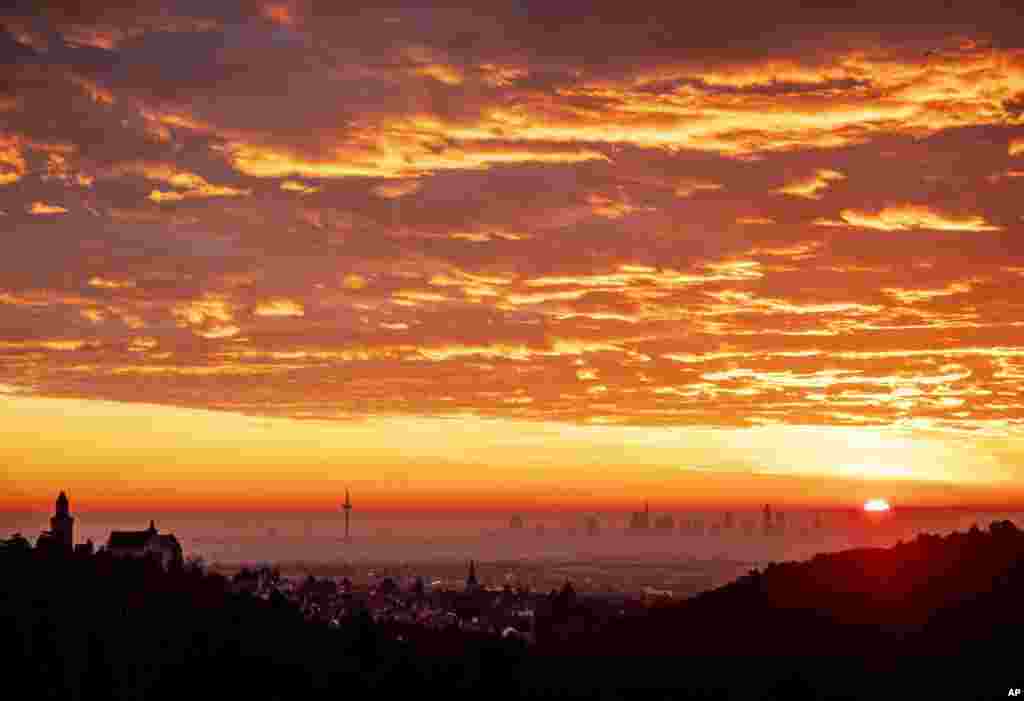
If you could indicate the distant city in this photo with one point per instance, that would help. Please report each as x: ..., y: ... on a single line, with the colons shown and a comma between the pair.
x: 641, y: 579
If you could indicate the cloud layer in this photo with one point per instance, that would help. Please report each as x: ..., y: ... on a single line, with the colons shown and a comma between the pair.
x: 424, y: 212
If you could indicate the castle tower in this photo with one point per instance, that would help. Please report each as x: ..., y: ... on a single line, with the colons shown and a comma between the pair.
x: 62, y: 524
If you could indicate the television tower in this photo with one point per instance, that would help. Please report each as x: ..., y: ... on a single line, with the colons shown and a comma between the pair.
x: 347, y: 506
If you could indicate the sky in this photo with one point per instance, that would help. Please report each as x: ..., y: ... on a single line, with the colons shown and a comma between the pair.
x: 532, y: 253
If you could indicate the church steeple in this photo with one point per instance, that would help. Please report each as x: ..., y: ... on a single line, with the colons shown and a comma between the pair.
x: 471, y: 582
x: 62, y: 508
x: 152, y: 526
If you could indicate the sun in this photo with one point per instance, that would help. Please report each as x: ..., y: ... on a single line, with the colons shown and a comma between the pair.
x: 876, y: 505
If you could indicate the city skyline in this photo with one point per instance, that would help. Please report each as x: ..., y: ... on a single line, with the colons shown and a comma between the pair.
x: 468, y: 260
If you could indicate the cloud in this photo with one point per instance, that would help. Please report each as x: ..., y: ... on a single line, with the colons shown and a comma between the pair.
x: 406, y: 152
x: 301, y: 188
x: 279, y: 308
x: 689, y: 186
x: 613, y: 207
x: 912, y: 296
x: 109, y: 284
x: 1016, y: 147
x: 12, y: 161
x: 209, y: 316
x: 280, y: 13
x: 397, y: 189
x: 453, y: 223
x: 813, y: 186
x: 187, y: 185
x: 44, y: 208
x: 907, y: 217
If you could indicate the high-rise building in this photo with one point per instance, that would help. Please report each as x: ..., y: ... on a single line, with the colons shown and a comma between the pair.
x: 516, y: 523
x: 768, y: 523
x: 472, y: 585
x: 665, y: 522
x: 641, y: 520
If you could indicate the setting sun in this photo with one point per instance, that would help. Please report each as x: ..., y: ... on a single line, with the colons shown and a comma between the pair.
x: 876, y: 505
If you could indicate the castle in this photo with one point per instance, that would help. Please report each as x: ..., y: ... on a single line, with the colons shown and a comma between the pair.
x: 62, y: 527
x: 147, y: 543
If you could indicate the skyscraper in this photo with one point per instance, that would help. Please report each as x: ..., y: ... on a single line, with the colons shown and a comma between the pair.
x: 641, y: 520
x: 472, y: 584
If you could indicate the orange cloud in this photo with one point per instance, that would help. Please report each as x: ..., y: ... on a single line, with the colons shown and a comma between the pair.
x: 12, y: 162
x: 687, y: 187
x: 1016, y: 147
x: 613, y: 208
x: 209, y: 316
x: 407, y: 150
x: 95, y: 91
x: 907, y: 217
x: 279, y: 307
x: 109, y: 284
x: 912, y: 296
x: 301, y: 188
x: 188, y: 185
x: 279, y: 13
x: 397, y: 189
x: 43, y: 208
x: 813, y: 186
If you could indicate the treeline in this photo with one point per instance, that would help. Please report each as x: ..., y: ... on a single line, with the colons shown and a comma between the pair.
x: 936, y: 616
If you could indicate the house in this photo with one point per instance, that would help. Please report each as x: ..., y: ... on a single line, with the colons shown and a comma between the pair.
x: 147, y: 543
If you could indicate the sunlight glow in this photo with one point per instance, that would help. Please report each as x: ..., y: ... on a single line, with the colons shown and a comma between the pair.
x: 876, y: 505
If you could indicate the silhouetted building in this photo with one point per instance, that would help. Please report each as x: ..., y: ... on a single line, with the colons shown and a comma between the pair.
x: 147, y: 543
x: 780, y: 521
x: 641, y: 520
x: 593, y: 525
x: 665, y: 523
x: 472, y: 585
x: 768, y: 524
x: 16, y: 542
x: 62, y: 525
x: 517, y: 523
x: 729, y: 521
x: 817, y: 521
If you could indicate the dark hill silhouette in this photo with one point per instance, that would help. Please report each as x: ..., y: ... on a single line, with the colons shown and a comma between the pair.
x: 928, y: 618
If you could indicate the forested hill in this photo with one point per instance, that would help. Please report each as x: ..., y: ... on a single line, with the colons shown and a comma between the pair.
x: 937, y: 617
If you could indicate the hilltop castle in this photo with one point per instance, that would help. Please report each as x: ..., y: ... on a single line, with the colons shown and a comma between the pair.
x: 62, y: 527
x: 144, y: 544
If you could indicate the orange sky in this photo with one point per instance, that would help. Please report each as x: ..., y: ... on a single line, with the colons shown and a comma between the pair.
x: 460, y: 259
